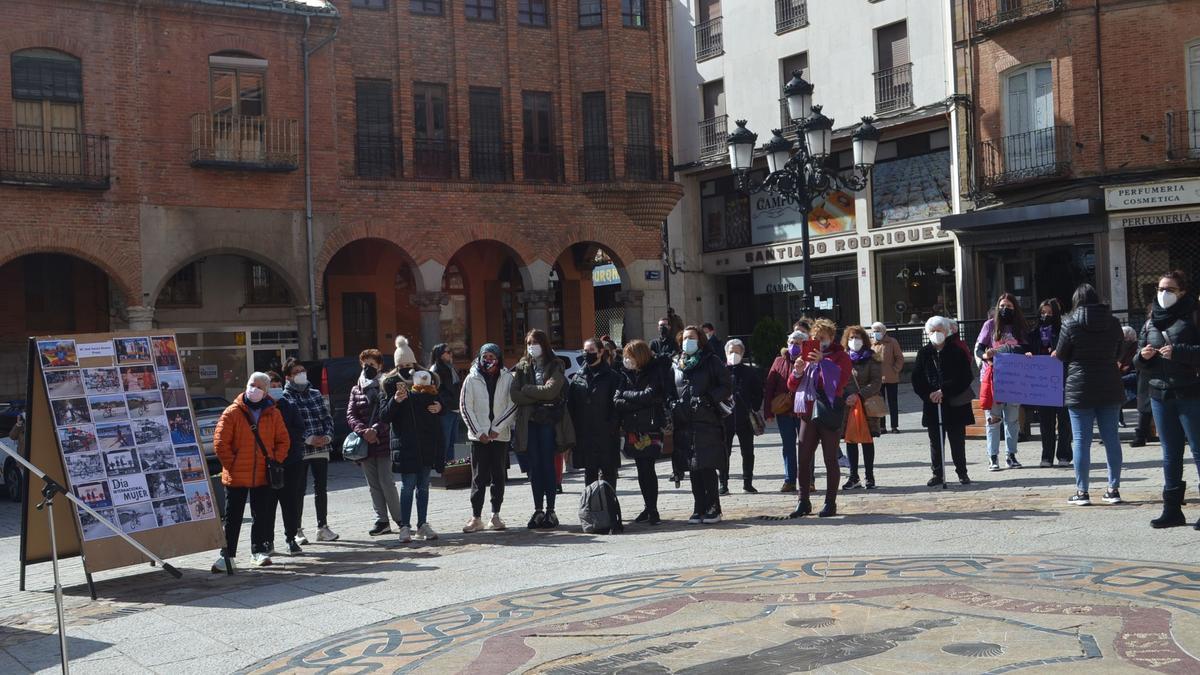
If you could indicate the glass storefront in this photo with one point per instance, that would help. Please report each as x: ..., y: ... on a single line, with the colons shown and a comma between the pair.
x: 1034, y: 274
x: 218, y: 362
x: 915, y: 284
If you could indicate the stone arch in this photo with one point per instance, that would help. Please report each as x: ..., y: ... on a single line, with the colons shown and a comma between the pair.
x: 619, y: 250
x: 233, y: 42
x: 120, y: 263
x: 298, y: 289
x: 43, y: 39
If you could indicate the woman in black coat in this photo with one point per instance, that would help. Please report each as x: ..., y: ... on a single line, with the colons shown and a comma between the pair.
x: 590, y: 403
x: 441, y: 364
x: 747, y: 400
x: 942, y: 378
x: 703, y: 385
x: 411, y: 407
x: 641, y: 401
x: 1055, y: 423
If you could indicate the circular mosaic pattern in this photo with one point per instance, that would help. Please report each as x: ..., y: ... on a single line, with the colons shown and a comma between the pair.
x: 889, y: 614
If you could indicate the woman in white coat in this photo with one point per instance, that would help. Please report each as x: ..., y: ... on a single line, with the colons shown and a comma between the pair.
x: 489, y: 413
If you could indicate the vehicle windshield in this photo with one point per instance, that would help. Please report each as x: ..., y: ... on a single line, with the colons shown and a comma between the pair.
x: 209, y: 404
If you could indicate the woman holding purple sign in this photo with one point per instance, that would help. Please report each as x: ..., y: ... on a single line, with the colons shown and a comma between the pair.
x: 1090, y: 345
x: 1002, y: 334
x: 1055, y: 423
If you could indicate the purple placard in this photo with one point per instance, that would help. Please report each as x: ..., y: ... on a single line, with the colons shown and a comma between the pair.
x: 1028, y: 380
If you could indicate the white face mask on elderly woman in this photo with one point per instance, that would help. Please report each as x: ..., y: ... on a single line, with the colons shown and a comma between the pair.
x: 937, y: 337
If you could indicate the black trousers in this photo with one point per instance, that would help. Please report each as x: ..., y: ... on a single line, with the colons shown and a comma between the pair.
x: 1055, y: 424
x: 956, y: 442
x: 891, y: 392
x: 647, y: 477
x: 745, y: 438
x: 704, y: 490
x: 605, y: 467
x: 320, y: 473
x: 489, y: 467
x: 291, y: 497
x: 262, y: 510
x: 868, y: 453
x: 679, y: 465
x: 1142, y: 432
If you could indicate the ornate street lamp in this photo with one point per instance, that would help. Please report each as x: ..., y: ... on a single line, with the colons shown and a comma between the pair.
x: 805, y: 177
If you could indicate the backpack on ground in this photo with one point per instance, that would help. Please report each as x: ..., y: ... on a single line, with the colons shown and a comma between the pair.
x: 599, y: 510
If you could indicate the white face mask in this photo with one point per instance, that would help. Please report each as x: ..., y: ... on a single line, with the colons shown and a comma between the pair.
x: 1166, y: 299
x: 937, y: 337
x: 535, y: 350
x: 856, y: 344
x: 803, y: 337
x: 630, y: 364
x: 300, y: 379
x: 733, y: 358
x: 254, y: 394
x: 691, y: 346
x: 877, y: 336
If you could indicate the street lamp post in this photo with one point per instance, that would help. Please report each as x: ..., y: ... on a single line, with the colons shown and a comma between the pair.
x: 805, y: 177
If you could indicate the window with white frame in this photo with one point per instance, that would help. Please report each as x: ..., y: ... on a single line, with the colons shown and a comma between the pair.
x: 1029, y: 131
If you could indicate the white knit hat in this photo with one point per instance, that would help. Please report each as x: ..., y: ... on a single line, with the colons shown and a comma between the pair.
x: 422, y: 377
x: 403, y: 355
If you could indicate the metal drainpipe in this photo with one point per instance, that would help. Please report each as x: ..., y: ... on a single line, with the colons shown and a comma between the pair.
x: 305, y: 52
x: 1099, y: 91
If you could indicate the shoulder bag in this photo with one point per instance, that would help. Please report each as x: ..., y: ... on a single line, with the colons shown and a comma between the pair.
x: 354, y: 447
x: 275, y: 473
x: 874, y: 406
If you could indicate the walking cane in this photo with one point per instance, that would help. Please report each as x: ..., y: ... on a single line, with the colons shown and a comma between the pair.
x: 942, y: 440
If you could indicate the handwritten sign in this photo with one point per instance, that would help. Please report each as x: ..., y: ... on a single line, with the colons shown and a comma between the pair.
x: 1036, y: 380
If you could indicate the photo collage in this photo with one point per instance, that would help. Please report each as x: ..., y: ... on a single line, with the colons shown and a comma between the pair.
x: 126, y: 433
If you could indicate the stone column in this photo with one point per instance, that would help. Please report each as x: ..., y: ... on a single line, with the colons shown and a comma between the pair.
x: 537, y: 308
x: 140, y: 317
x: 430, y: 306
x: 634, y: 323
x: 304, y: 328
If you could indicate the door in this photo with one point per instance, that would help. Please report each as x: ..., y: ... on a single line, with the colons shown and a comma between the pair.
x: 359, y: 327
x: 1029, y: 121
x: 431, y: 149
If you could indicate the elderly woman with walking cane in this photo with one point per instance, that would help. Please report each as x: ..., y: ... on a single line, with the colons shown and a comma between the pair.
x: 942, y: 378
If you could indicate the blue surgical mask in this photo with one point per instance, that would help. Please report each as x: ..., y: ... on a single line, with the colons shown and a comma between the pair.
x: 275, y: 393
x: 691, y: 346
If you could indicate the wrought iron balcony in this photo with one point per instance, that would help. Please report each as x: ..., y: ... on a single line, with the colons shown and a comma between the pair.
x: 544, y: 166
x: 491, y: 161
x: 893, y: 89
x: 377, y: 156
x: 54, y: 159
x: 596, y: 163
x: 643, y: 162
x: 995, y: 14
x: 708, y: 39
x: 1183, y: 134
x: 1033, y: 155
x: 714, y: 137
x: 245, y: 142
x: 435, y: 158
x: 790, y: 15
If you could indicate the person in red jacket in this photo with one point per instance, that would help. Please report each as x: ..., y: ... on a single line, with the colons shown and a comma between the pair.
x: 821, y: 374
x: 244, y: 468
x: 776, y: 387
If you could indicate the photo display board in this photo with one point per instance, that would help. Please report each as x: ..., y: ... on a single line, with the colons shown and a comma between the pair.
x: 125, y: 432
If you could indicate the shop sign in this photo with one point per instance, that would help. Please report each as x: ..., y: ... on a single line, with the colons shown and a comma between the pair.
x: 778, y: 279
x: 794, y: 251
x: 1157, y: 218
x: 773, y: 219
x: 605, y: 275
x: 1168, y: 193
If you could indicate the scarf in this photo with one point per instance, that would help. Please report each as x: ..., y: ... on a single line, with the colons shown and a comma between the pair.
x: 688, y: 362
x: 814, y: 382
x: 1165, y: 318
x: 865, y: 354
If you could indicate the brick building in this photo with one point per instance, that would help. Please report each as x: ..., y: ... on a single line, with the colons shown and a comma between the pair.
x: 473, y: 166
x: 1080, y: 146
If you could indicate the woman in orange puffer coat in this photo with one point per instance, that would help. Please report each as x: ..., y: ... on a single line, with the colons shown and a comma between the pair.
x: 244, y: 468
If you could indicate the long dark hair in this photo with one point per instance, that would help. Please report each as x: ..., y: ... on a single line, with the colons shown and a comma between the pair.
x: 1017, y: 325
x: 1084, y: 295
x: 540, y: 337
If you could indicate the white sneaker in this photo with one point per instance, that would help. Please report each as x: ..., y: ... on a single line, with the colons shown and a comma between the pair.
x: 496, y: 523
x: 262, y: 560
x: 326, y: 534
x: 473, y: 525
x: 406, y: 535
x: 219, y: 566
x: 300, y: 538
x: 426, y: 532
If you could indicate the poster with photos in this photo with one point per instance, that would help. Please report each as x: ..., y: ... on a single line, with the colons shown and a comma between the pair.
x: 126, y: 432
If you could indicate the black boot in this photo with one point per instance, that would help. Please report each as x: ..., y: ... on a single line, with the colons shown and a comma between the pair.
x: 803, y: 508
x: 1172, y: 515
x: 829, y: 510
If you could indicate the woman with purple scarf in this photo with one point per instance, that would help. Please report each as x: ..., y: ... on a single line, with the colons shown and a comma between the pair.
x: 866, y: 381
x: 818, y: 380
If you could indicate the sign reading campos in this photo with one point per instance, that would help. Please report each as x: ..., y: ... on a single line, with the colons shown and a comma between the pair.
x: 773, y: 219
x: 778, y: 279
x: 1150, y: 195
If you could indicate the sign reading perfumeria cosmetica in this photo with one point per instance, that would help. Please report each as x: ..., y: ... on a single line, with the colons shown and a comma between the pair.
x: 1152, y: 195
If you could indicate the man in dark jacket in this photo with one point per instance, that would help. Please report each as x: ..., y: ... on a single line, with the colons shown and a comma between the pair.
x: 292, y: 493
x: 590, y: 403
x: 716, y: 344
x: 441, y: 363
x: 665, y: 345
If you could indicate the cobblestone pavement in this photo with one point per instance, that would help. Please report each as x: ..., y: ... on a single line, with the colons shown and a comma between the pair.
x: 999, y: 575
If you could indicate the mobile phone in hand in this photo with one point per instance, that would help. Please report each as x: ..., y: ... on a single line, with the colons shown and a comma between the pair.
x: 809, y: 346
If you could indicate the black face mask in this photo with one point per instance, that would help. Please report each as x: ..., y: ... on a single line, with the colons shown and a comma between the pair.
x: 1005, y: 313
x: 370, y: 372
x: 593, y: 357
x: 1049, y: 320
x: 664, y: 331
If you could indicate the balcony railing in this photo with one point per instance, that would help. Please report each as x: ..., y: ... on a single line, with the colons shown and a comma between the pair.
x: 1018, y: 158
x: 893, y: 89
x: 543, y: 165
x: 54, y: 158
x: 786, y: 125
x: 491, y: 161
x: 377, y: 156
x: 643, y: 162
x: 245, y: 142
x: 714, y: 137
x: 435, y: 158
x: 708, y: 39
x: 790, y: 15
x: 596, y: 163
x: 1183, y: 134
x: 994, y: 14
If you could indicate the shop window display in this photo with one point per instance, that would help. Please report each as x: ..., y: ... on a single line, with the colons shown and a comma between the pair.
x: 917, y: 284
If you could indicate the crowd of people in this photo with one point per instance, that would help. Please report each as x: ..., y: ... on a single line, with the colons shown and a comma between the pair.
x: 689, y: 395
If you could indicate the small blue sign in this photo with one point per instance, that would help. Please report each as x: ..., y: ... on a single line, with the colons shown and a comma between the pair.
x: 653, y: 275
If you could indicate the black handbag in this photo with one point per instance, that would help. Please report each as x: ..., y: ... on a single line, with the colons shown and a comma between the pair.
x: 275, y: 473
x: 831, y: 416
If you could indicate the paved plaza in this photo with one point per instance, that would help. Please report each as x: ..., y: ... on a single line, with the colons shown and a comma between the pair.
x: 998, y: 576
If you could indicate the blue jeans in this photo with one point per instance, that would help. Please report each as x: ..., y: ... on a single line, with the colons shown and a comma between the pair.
x: 450, y: 423
x: 540, y: 450
x: 409, y: 483
x: 1178, y: 422
x: 1105, y: 417
x: 1008, y: 426
x: 788, y: 426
